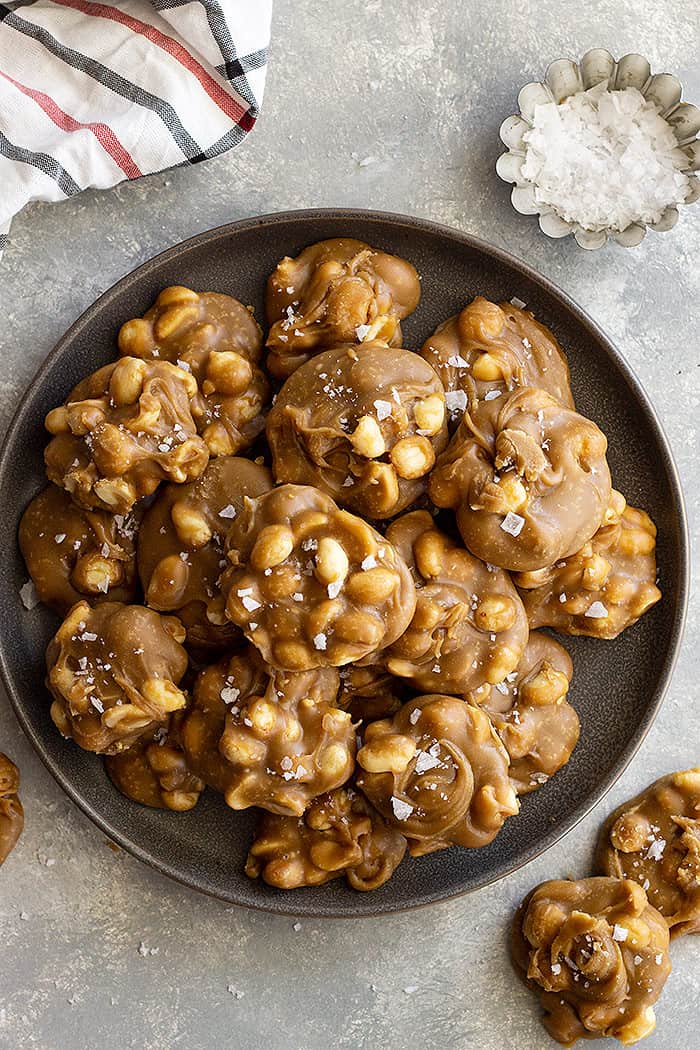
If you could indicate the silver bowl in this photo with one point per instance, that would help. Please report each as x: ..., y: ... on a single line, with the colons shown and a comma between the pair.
x: 565, y: 78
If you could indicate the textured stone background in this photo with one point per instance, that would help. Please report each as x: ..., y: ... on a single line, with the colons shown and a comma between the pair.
x: 421, y: 89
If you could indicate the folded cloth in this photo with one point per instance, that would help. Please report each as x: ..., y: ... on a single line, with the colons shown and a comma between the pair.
x: 92, y: 94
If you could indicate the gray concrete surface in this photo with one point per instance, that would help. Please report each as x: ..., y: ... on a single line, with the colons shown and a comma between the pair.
x: 421, y: 89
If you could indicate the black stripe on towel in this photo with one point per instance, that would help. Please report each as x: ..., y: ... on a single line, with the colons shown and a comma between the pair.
x: 226, y: 142
x: 232, y: 68
x: 43, y: 161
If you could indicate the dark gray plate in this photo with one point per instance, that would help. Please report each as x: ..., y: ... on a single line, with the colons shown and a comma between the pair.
x: 618, y: 686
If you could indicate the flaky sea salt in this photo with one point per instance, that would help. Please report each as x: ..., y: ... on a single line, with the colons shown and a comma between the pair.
x: 428, y: 759
x: 656, y: 849
x: 513, y: 523
x: 402, y: 810
x: 603, y: 159
x: 456, y: 401
x: 596, y: 611
x: 383, y: 409
x: 28, y: 595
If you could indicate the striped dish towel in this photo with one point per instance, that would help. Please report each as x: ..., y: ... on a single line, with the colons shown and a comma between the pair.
x: 93, y: 93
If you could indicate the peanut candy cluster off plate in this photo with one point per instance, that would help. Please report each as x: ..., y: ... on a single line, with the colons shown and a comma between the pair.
x: 261, y: 597
x: 595, y: 951
x: 654, y: 839
x: 11, y: 812
x: 596, y: 954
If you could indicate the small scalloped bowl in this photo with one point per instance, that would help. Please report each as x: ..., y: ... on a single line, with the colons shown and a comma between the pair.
x: 564, y: 78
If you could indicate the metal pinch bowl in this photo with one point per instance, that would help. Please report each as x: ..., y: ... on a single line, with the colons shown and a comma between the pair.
x: 565, y: 78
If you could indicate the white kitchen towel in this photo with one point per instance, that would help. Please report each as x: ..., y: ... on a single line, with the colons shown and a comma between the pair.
x: 92, y: 94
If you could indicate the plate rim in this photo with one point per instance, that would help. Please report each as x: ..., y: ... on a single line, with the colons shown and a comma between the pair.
x: 429, y: 226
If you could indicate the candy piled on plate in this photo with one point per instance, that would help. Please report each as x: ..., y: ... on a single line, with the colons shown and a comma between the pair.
x: 322, y: 603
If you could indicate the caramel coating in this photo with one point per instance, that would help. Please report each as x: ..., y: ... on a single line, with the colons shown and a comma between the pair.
x: 153, y: 771
x: 368, y: 691
x: 484, y: 352
x: 114, y: 672
x: 438, y: 773
x: 269, y: 739
x: 339, y: 834
x: 312, y: 585
x: 605, y: 586
x: 654, y: 839
x: 122, y: 431
x: 336, y: 291
x: 181, y: 547
x: 364, y: 424
x: 530, y: 713
x: 596, y: 954
x: 288, y: 745
x: 182, y: 321
x: 469, y: 627
x: 72, y: 553
x: 11, y: 812
x: 532, y: 493
x: 217, y: 339
x: 231, y: 681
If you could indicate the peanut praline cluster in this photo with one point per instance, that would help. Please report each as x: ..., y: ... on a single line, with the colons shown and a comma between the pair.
x: 596, y: 954
x: 11, y: 812
x: 310, y: 582
x: 596, y: 951
x: 654, y: 839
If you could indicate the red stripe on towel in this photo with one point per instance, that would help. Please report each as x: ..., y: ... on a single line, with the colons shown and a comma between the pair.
x: 104, y: 134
